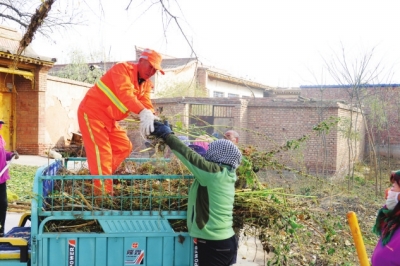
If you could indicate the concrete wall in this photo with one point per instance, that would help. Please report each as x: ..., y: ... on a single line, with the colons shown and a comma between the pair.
x: 174, y: 78
x: 194, y: 75
x: 62, y: 99
x: 215, y: 85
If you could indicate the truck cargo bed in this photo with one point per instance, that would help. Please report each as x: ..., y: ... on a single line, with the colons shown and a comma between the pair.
x: 141, y: 223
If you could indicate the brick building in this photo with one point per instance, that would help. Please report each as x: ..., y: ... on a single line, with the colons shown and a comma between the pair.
x: 23, y: 83
x: 381, y: 104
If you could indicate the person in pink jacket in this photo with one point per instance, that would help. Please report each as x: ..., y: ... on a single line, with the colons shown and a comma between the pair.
x: 203, y: 141
x: 387, y: 227
x: 4, y: 157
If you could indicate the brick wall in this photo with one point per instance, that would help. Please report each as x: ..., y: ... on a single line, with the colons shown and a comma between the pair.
x: 326, y: 93
x: 172, y: 108
x: 381, y: 105
x: 202, y: 77
x: 268, y: 124
x: 46, y: 112
x: 387, y: 97
x: 275, y: 123
x: 27, y: 116
x: 358, y: 147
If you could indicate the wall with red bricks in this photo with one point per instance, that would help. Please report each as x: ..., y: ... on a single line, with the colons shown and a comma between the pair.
x: 381, y: 105
x: 268, y: 124
x: 275, y: 123
x: 46, y: 111
x: 29, y: 117
x: 172, y: 108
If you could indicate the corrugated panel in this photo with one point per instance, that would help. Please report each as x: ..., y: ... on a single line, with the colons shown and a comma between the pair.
x: 211, y: 110
x: 222, y: 111
x: 136, y: 226
x: 201, y: 110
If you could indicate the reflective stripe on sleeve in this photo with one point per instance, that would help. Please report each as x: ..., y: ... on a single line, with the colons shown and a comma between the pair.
x: 114, y: 99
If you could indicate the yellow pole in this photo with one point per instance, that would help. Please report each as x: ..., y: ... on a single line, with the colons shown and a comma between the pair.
x: 357, y: 237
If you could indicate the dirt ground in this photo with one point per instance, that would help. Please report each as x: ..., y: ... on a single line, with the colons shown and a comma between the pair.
x: 323, y: 236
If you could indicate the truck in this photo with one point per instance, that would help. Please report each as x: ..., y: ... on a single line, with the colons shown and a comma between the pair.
x: 72, y: 225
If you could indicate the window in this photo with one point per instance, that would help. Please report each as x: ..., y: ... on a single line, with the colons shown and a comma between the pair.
x: 218, y: 94
x: 233, y: 95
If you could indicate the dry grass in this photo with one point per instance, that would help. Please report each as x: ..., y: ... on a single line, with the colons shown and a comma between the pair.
x: 323, y: 236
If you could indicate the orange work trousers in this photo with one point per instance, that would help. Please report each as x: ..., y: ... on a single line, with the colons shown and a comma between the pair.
x: 106, y: 147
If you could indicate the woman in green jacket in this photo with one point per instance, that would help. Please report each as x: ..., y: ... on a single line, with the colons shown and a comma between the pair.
x: 211, y: 196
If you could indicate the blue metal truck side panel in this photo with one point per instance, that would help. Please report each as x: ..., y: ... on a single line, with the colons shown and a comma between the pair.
x: 108, y: 250
x: 139, y: 235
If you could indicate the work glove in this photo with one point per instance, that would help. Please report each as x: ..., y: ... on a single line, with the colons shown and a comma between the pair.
x: 161, y: 130
x: 16, y: 155
x: 146, y: 122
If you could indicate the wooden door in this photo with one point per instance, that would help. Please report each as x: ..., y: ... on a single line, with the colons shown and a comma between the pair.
x: 6, y: 116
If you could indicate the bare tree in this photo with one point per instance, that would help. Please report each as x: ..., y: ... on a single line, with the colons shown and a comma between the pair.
x: 321, y: 110
x: 167, y: 17
x: 20, y: 13
x: 356, y: 76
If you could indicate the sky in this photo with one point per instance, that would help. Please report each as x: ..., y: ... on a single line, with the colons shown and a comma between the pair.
x: 285, y: 43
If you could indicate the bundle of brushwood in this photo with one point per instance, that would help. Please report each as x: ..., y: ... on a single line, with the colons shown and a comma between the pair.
x: 256, y: 211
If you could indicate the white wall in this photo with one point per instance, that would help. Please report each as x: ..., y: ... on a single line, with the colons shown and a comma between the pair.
x: 172, y: 77
x: 225, y: 87
x: 63, y: 97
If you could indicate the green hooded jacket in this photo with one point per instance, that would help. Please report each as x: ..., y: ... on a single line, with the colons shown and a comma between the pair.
x: 211, y: 196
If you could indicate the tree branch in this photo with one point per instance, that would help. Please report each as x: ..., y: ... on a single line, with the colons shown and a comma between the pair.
x: 13, y: 19
x: 13, y: 9
x: 179, y: 26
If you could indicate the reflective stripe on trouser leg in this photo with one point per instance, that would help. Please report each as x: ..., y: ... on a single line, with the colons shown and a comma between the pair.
x: 98, y: 150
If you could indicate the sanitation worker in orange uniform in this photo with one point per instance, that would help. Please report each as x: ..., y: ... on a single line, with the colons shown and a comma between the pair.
x: 123, y: 89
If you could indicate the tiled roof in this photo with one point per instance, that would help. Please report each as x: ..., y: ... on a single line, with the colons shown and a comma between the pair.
x: 236, y: 80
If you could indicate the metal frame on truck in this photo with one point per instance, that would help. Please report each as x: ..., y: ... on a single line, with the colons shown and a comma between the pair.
x: 133, y: 227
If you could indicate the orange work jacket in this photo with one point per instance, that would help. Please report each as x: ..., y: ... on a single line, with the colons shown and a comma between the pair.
x: 117, y: 93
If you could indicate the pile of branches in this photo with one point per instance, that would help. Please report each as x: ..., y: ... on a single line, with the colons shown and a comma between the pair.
x: 253, y: 208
